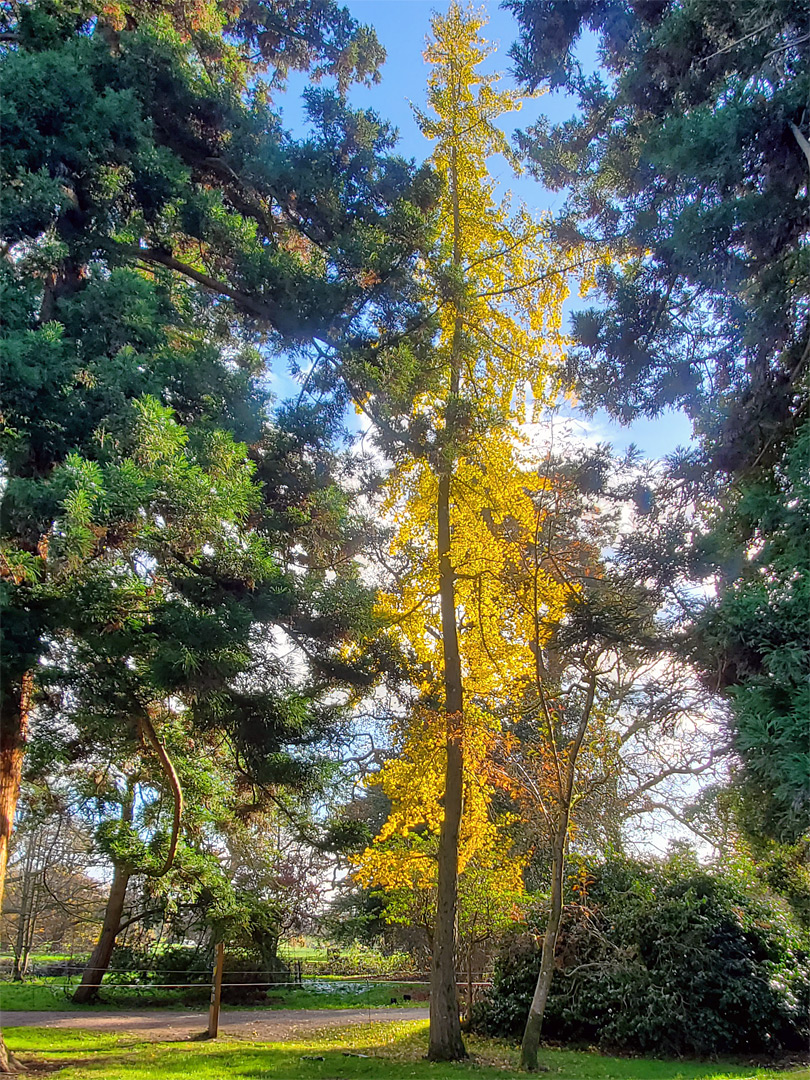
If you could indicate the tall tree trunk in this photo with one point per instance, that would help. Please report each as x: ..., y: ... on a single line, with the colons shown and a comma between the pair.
x: 98, y: 963
x: 446, y: 1043
x: 16, y: 707
x: 13, y: 735
x: 534, y: 1023
x: 470, y: 987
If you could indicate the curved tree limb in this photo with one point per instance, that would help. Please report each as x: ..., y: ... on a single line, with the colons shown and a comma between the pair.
x: 148, y: 732
x: 801, y: 140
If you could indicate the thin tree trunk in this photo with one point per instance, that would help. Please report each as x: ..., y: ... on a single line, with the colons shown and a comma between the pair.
x: 13, y: 735
x: 148, y: 732
x: 534, y: 1023
x: 98, y: 963
x: 19, y: 943
x: 25, y: 914
x: 34, y: 913
x: 445, y: 1042
x: 23, y: 963
x: 470, y: 987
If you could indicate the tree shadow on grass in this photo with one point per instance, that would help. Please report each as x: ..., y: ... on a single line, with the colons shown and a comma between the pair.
x: 376, y: 1051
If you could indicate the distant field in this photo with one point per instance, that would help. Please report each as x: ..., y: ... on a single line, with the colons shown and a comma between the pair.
x: 43, y: 995
x: 302, y: 952
x: 37, y: 959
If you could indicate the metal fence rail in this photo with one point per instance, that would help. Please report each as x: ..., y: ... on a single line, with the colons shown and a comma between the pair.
x: 143, y: 981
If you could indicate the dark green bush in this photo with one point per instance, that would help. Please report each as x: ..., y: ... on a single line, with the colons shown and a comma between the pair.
x: 172, y: 964
x: 667, y: 958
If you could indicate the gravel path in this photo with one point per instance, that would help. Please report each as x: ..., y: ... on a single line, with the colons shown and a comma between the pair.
x: 264, y: 1025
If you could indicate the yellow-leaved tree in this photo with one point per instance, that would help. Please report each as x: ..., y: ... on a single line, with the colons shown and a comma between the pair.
x: 462, y: 483
x: 402, y: 859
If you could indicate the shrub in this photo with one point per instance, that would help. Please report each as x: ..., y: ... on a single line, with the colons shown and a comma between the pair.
x: 360, y: 959
x: 171, y: 964
x: 667, y: 958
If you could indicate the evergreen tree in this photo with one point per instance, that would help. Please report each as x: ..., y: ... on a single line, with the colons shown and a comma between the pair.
x: 114, y: 131
x: 692, y: 135
x: 756, y: 634
x: 690, y: 157
x: 147, y: 496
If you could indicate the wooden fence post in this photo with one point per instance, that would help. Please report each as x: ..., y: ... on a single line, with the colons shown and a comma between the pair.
x: 216, y: 992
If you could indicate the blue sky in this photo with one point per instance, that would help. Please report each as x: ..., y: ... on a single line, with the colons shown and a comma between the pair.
x: 402, y: 26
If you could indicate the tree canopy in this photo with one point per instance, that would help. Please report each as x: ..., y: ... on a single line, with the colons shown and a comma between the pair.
x: 689, y: 157
x: 210, y: 596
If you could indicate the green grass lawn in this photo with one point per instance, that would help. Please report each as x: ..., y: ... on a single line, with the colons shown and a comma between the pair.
x: 48, y: 994
x: 43, y: 995
x: 393, y: 1051
x: 302, y: 952
x: 45, y: 958
x: 37, y: 994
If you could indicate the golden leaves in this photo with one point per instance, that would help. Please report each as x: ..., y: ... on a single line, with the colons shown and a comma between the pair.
x: 499, y: 285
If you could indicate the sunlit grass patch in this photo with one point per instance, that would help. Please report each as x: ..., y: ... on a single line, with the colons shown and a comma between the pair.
x: 381, y: 1050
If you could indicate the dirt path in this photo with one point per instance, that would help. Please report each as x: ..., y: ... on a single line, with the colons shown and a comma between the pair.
x: 264, y: 1025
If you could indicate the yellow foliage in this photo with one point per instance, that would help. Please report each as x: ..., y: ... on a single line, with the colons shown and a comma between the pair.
x: 499, y: 288
x: 496, y: 503
x: 413, y: 779
x: 402, y: 858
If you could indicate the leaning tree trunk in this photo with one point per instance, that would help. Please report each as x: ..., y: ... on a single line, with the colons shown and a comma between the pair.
x: 16, y: 706
x: 534, y: 1023
x: 98, y: 963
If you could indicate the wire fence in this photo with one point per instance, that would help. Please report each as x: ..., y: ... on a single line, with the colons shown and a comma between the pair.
x: 51, y: 986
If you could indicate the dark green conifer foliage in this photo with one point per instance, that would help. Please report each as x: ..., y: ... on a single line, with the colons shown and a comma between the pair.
x: 758, y: 631
x: 690, y: 159
x: 160, y: 232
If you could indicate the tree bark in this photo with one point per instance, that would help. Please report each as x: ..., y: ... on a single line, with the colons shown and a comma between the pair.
x: 24, y: 917
x: 148, y: 732
x: 13, y: 736
x: 16, y: 707
x: 446, y: 1043
x: 470, y: 987
x: 98, y: 963
x: 534, y: 1023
